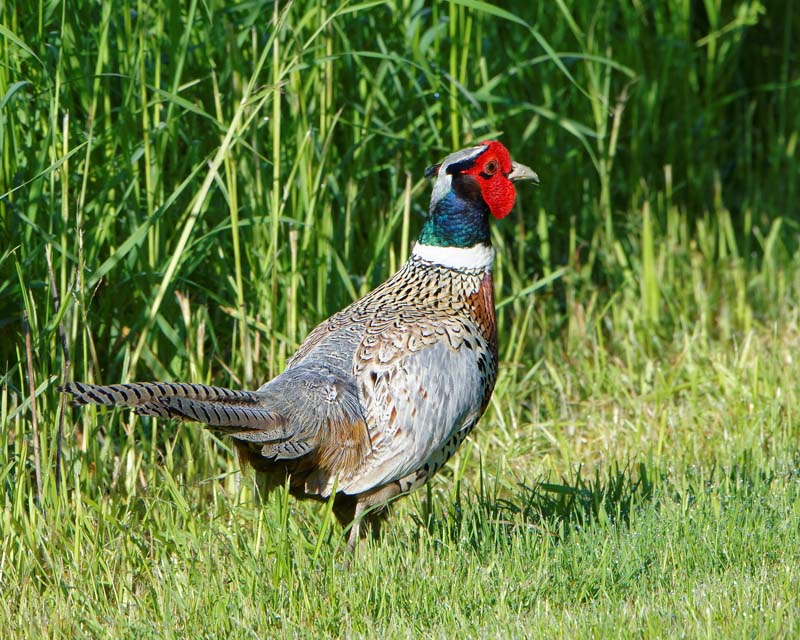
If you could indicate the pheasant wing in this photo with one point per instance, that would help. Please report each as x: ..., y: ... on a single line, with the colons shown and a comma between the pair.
x: 422, y: 387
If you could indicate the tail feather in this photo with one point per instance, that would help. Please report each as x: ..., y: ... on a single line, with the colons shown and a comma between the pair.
x: 213, y: 406
x: 286, y: 450
x: 136, y: 394
x: 274, y: 425
x: 235, y: 414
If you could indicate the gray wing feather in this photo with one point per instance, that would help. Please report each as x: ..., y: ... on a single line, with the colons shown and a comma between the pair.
x: 413, y: 405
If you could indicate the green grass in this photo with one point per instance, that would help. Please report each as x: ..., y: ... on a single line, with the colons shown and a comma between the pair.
x: 208, y: 181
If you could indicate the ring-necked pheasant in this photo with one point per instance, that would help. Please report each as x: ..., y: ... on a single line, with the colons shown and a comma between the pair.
x: 380, y: 395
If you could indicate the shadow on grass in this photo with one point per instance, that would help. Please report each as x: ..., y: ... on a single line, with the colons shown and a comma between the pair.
x: 550, y: 508
x: 494, y: 515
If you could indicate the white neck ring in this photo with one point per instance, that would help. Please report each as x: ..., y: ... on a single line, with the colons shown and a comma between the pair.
x: 480, y: 256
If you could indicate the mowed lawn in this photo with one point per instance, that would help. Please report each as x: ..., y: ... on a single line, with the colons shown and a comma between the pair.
x: 186, y: 189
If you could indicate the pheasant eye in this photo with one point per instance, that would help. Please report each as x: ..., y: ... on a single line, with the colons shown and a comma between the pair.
x: 491, y: 167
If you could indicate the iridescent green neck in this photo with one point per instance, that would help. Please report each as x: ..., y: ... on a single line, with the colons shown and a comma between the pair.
x: 456, y: 222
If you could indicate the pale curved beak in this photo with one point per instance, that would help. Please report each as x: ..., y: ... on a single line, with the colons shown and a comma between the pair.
x: 521, y: 172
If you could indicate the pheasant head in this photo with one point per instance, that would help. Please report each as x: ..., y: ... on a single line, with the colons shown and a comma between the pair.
x: 468, y: 186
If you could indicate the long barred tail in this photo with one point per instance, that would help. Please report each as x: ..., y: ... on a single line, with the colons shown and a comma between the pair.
x: 213, y: 406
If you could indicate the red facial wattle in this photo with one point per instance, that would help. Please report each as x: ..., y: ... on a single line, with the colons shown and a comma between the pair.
x: 497, y: 190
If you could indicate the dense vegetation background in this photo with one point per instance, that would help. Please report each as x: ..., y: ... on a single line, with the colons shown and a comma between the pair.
x: 209, y: 180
